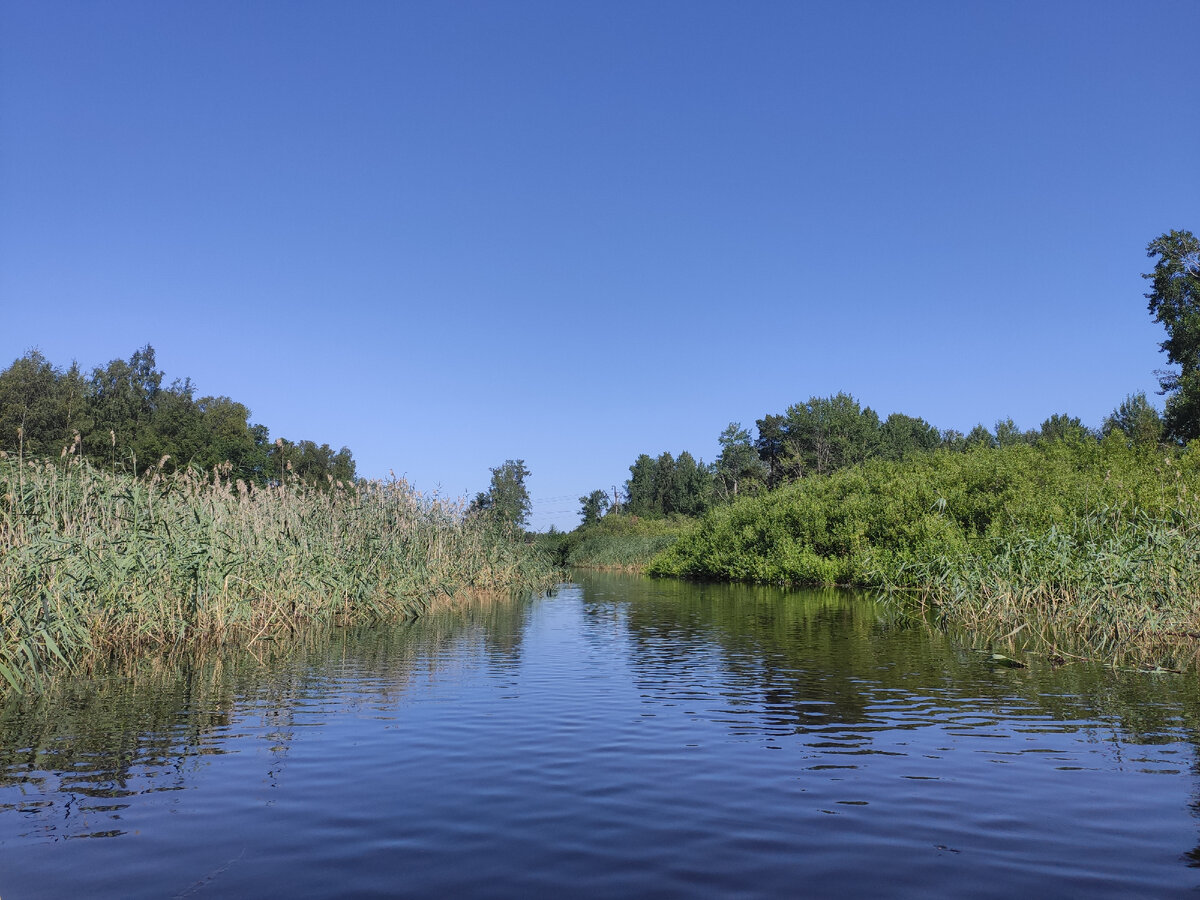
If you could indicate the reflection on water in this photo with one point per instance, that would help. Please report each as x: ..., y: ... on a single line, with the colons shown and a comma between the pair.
x: 626, y: 735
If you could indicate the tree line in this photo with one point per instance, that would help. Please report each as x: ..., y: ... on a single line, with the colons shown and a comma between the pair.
x: 827, y: 434
x: 124, y: 417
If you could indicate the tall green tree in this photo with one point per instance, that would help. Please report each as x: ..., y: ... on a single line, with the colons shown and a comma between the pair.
x: 1174, y: 301
x: 773, y: 449
x: 830, y: 433
x: 979, y: 436
x: 738, y: 469
x: 901, y: 435
x: 507, y: 499
x: 1008, y: 434
x: 691, y: 486
x: 123, y: 399
x: 1137, y: 420
x: 640, y: 498
x: 1062, y: 427
x: 32, y: 418
x: 592, y: 507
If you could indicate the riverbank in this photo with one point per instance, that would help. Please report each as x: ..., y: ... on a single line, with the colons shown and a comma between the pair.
x: 1093, y: 543
x: 614, y: 543
x: 98, y: 563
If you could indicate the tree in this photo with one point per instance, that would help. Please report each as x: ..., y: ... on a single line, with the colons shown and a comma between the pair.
x: 30, y: 417
x: 901, y: 435
x: 306, y: 461
x: 123, y: 399
x: 830, y: 433
x: 1137, y: 420
x: 1175, y: 303
x: 507, y: 499
x: 772, y: 448
x: 738, y: 469
x: 1008, y: 434
x: 979, y: 436
x: 639, y: 489
x: 593, y: 506
x: 690, y: 487
x: 1061, y: 427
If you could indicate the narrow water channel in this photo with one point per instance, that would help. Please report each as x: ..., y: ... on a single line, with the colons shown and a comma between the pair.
x: 623, y: 737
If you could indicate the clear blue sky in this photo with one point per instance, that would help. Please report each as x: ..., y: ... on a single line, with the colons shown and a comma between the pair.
x: 447, y: 234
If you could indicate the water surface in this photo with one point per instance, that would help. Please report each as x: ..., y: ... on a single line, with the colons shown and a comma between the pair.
x: 622, y: 737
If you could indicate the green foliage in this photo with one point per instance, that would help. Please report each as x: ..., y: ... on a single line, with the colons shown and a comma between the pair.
x: 738, y: 469
x: 1009, y: 435
x: 1061, y: 427
x: 1175, y: 303
x: 507, y: 500
x: 125, y: 419
x: 979, y: 436
x: 668, y: 486
x: 40, y: 407
x: 618, y: 541
x: 1136, y: 420
x: 899, y: 523
x: 901, y: 435
x: 592, y: 507
x: 818, y: 437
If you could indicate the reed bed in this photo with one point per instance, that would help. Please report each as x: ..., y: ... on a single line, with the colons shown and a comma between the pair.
x: 1116, y: 584
x: 93, y: 563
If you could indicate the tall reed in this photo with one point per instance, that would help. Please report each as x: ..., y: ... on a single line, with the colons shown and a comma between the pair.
x: 92, y: 562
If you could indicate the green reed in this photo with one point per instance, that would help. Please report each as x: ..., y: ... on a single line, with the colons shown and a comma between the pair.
x: 92, y: 562
x: 1115, y: 583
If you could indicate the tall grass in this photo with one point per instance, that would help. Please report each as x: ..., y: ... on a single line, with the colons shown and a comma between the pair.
x: 1090, y: 542
x: 93, y: 562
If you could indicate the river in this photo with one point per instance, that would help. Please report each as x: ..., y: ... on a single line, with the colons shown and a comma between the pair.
x: 620, y: 737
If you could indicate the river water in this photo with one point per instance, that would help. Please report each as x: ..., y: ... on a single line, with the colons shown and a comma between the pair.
x: 622, y: 737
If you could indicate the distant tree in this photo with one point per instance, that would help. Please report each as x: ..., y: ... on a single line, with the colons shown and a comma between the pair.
x: 32, y: 417
x: 1137, y: 420
x: 739, y: 468
x: 954, y: 440
x: 507, y: 499
x: 901, y: 435
x: 772, y: 449
x: 1008, y: 434
x: 1061, y: 427
x: 593, y: 506
x: 228, y: 436
x: 640, y: 499
x: 979, y: 436
x: 664, y: 484
x: 123, y: 399
x: 1175, y: 303
x: 691, y: 487
x: 830, y: 433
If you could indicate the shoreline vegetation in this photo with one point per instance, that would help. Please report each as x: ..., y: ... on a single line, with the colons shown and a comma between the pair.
x: 1063, y: 535
x: 1072, y: 546
x: 95, y: 563
x: 1093, y: 546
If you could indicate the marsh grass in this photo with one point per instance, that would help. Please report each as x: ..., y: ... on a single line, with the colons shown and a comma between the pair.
x: 1114, y: 584
x: 97, y: 563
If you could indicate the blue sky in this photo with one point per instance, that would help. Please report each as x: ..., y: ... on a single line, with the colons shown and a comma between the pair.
x: 448, y: 234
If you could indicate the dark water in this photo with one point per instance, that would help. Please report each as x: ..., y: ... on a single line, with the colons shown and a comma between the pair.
x: 624, y: 737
